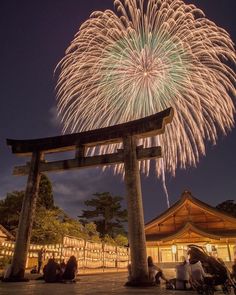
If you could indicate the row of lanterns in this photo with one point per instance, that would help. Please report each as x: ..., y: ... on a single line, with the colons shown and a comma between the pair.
x: 83, y: 250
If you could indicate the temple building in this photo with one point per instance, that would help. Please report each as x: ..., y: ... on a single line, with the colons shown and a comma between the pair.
x: 191, y: 221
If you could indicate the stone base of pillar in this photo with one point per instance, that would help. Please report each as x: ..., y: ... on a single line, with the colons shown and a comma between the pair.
x: 137, y: 284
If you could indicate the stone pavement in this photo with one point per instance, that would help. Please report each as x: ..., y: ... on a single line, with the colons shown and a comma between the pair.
x: 87, y: 285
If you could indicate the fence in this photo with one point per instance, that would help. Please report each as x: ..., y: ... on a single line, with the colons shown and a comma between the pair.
x: 90, y: 255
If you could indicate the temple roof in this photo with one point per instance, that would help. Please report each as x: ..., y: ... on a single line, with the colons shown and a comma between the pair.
x: 190, y: 215
x: 191, y: 228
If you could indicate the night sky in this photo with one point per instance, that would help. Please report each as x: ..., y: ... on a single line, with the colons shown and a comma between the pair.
x: 34, y: 37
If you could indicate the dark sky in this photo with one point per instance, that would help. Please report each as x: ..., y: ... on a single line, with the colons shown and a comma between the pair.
x: 34, y: 36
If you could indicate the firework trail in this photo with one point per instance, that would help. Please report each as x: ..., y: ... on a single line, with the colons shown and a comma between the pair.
x: 141, y: 59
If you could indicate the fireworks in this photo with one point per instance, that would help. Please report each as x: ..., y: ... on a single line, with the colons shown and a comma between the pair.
x: 142, y: 58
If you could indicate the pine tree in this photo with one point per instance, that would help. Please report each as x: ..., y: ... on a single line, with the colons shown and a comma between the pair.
x: 107, y: 214
x: 228, y: 207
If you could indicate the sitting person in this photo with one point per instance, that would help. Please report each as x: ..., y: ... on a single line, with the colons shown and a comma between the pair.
x: 198, y: 275
x: 234, y: 270
x: 225, y: 274
x: 52, y: 271
x: 7, y: 271
x: 34, y: 270
x: 63, y: 266
x: 182, y: 275
x: 70, y: 270
x: 129, y: 272
x: 155, y: 273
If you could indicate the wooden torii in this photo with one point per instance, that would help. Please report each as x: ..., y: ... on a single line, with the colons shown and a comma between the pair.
x: 128, y: 133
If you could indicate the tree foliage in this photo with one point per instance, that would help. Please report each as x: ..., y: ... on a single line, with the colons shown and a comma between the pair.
x: 121, y: 240
x: 45, y: 196
x: 52, y: 223
x: 10, y: 207
x: 228, y: 207
x: 50, y: 226
x: 47, y: 227
x: 90, y: 229
x: 107, y: 214
x: 109, y: 240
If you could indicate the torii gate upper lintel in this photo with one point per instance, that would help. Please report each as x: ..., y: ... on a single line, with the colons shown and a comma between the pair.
x: 128, y: 133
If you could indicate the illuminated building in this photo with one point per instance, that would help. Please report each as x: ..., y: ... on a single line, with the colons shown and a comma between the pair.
x: 191, y: 221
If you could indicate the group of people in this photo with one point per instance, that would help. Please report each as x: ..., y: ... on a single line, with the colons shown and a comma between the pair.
x: 54, y: 272
x: 192, y: 274
x: 189, y: 274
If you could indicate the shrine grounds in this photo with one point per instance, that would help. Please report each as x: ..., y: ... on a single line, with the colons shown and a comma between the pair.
x: 91, y: 284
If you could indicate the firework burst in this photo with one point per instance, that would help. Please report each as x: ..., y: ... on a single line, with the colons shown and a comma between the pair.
x: 142, y: 58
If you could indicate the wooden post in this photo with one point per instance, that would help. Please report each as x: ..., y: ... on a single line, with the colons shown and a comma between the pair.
x: 116, y: 261
x: 85, y: 255
x: 26, y: 220
x: 177, y: 258
x: 228, y: 248
x: 137, y: 240
x: 158, y: 254
x: 80, y: 151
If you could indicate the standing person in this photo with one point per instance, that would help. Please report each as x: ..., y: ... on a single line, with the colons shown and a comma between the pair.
x: 70, y: 270
x: 41, y: 253
x: 155, y: 272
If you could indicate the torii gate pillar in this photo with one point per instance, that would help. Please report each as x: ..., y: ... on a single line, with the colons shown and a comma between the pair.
x: 26, y: 220
x: 137, y: 239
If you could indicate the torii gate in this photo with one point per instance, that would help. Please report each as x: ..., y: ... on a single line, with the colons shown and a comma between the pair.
x: 128, y: 133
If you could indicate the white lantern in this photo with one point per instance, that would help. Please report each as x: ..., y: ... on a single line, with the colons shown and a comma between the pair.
x: 208, y: 248
x: 174, y: 249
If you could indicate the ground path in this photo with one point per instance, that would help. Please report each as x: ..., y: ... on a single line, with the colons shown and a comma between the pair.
x: 87, y: 285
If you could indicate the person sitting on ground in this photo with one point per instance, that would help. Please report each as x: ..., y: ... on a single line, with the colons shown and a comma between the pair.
x: 129, y: 272
x: 34, y: 270
x: 7, y: 271
x: 223, y: 276
x: 70, y: 270
x: 234, y: 270
x: 52, y: 271
x: 183, y: 273
x: 63, y: 266
x: 198, y: 275
x: 155, y: 272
